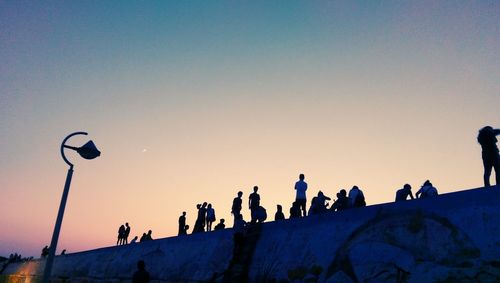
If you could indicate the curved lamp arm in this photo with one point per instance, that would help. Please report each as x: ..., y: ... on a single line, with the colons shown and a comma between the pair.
x: 63, y: 146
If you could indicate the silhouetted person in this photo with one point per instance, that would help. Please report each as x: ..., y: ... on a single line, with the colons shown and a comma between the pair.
x: 141, y: 275
x: 342, y: 202
x: 134, y: 240
x: 491, y: 159
x: 301, y: 188
x: 186, y: 228
x: 126, y: 234
x: 426, y: 191
x: 149, y: 236
x: 182, y: 224
x: 402, y: 194
x: 236, y: 207
x: 254, y: 203
x: 356, y: 197
x: 279, y: 213
x: 239, y: 230
x: 197, y: 223
x: 295, y: 210
x: 210, y: 217
x: 318, y: 205
x: 45, y: 251
x: 259, y: 214
x: 63, y: 252
x: 199, y: 226
x: 221, y: 225
x: 121, y: 234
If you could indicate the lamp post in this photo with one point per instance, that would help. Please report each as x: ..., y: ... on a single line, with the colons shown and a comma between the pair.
x: 87, y: 151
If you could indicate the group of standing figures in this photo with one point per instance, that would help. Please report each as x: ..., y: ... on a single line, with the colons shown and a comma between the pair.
x: 206, y: 217
x: 319, y: 203
x: 123, y: 233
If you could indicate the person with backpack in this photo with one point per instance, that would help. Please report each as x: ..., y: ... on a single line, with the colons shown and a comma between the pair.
x: 356, y: 197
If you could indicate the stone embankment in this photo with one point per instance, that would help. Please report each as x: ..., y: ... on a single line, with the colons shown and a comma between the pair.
x: 454, y: 237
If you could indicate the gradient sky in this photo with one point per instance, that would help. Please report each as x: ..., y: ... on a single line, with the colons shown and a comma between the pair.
x: 191, y: 101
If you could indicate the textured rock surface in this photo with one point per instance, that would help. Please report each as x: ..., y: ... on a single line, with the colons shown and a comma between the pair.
x: 452, y: 238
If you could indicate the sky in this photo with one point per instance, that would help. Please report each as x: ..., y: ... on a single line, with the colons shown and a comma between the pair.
x: 192, y: 101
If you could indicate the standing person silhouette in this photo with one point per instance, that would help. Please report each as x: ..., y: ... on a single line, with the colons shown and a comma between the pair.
x: 301, y: 188
x: 254, y: 203
x: 121, y: 234
x: 182, y: 224
x: 236, y: 207
x: 491, y: 159
x: 126, y: 234
x: 210, y: 216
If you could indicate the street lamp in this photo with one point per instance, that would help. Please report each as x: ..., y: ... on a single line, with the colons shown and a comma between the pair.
x: 87, y: 151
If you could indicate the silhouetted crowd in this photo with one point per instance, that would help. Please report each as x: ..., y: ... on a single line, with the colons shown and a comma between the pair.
x: 320, y: 203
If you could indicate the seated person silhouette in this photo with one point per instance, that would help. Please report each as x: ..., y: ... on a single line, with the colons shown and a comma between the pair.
x: 221, y: 225
x: 402, y: 194
x: 279, y: 213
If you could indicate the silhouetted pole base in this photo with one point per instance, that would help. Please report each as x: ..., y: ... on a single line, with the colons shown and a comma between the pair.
x: 57, y: 228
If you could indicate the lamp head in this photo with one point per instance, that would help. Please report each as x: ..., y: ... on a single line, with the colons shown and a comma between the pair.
x: 88, y: 150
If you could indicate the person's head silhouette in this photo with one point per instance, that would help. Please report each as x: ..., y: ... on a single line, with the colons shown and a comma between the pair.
x: 255, y: 189
x: 222, y: 220
x: 204, y: 205
x: 301, y: 177
x: 279, y: 207
x: 183, y: 213
x: 240, y: 194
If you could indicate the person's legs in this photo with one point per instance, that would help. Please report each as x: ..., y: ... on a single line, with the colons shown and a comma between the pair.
x: 302, y: 205
x: 488, y: 165
x: 496, y: 166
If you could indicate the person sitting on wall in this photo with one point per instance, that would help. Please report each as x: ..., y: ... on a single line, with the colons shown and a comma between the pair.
x: 356, y: 197
x: 295, y: 210
x: 45, y: 251
x: 426, y: 191
x: 402, y: 194
x: 141, y: 275
x: 259, y: 215
x: 342, y: 202
x: 134, y: 240
x: 221, y: 225
x: 321, y: 205
x: 491, y: 159
x: 144, y: 237
x: 279, y: 213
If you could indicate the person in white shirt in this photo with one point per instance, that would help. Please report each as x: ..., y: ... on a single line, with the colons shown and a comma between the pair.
x: 356, y: 197
x: 301, y: 188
